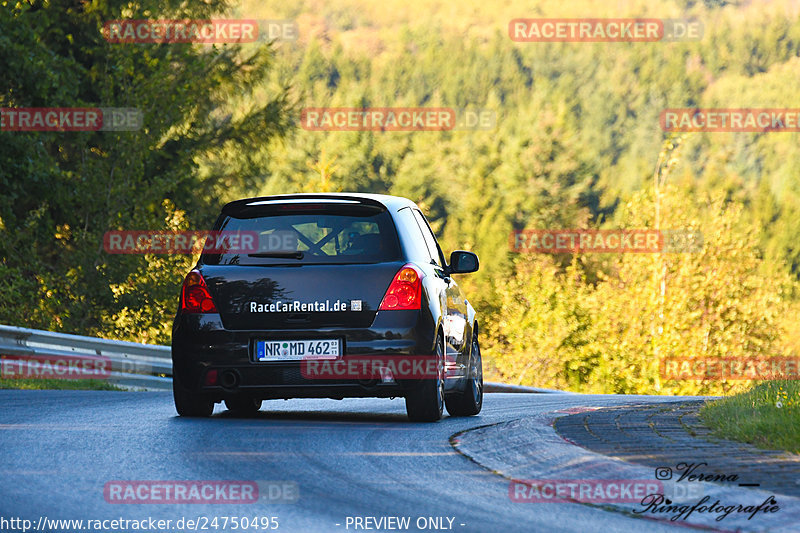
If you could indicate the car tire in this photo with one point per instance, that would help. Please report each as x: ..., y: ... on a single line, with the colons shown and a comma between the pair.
x: 469, y: 401
x: 189, y: 404
x: 425, y: 402
x: 242, y: 405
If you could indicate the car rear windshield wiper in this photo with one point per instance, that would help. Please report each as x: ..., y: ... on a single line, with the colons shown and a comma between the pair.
x: 280, y: 255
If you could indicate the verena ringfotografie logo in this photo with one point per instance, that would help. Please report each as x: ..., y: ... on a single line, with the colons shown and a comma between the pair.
x: 185, y: 242
x: 730, y: 120
x: 70, y: 119
x: 396, y: 119
x: 558, y: 241
x: 719, y: 368
x: 603, y: 30
x: 386, y: 368
x: 657, y: 504
x: 582, y: 490
x: 697, y: 474
x: 199, y: 31
x: 54, y: 367
x: 202, y: 492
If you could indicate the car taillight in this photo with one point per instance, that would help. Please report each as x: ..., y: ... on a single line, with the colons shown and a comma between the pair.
x: 195, y: 297
x: 405, y: 292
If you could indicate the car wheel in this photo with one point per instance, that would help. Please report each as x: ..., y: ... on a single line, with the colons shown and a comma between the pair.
x: 243, y: 405
x: 425, y: 403
x: 189, y: 404
x: 470, y: 401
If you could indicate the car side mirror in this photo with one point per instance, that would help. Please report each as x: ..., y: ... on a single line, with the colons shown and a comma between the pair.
x: 462, y: 262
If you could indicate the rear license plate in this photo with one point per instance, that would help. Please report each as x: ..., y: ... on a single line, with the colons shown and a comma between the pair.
x: 295, y: 350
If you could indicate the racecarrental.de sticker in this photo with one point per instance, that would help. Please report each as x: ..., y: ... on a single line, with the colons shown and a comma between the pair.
x: 296, y: 306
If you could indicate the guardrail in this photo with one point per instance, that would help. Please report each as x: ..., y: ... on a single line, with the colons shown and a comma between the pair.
x: 505, y: 387
x: 132, y: 365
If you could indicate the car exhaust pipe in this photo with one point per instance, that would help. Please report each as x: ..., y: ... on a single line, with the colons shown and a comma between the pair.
x: 229, y: 379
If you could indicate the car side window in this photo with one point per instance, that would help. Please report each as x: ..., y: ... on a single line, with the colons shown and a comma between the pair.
x: 430, y: 239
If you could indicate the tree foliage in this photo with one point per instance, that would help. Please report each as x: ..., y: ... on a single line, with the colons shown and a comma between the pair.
x: 576, y: 140
x: 63, y: 190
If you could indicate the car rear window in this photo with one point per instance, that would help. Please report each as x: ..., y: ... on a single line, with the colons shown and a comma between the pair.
x: 324, y: 233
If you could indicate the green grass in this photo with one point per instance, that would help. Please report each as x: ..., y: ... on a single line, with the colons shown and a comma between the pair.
x: 58, y: 384
x: 754, y: 416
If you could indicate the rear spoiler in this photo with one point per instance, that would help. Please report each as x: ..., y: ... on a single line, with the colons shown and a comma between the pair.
x: 252, y: 206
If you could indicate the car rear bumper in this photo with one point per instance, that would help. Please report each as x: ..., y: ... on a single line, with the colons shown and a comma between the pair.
x: 200, y: 344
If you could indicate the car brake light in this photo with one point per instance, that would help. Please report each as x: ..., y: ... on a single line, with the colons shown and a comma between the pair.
x: 302, y: 207
x: 405, y: 292
x: 195, y: 297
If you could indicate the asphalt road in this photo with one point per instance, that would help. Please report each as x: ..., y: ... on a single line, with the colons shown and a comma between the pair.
x: 356, y: 458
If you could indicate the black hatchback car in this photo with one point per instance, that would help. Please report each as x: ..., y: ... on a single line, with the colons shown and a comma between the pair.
x: 346, y: 295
